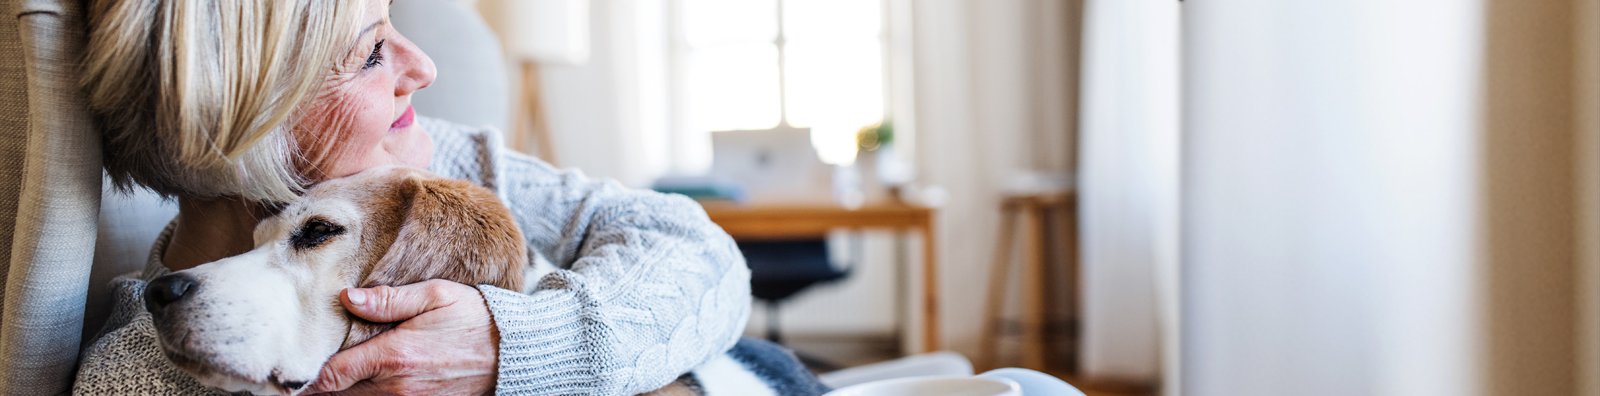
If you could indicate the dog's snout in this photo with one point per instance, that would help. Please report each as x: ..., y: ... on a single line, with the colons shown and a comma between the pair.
x: 166, y: 290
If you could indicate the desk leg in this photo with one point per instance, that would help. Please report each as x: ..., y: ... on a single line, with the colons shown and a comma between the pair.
x: 903, y: 320
x: 930, y: 291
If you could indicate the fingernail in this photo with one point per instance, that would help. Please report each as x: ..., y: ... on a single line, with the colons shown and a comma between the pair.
x: 356, y: 296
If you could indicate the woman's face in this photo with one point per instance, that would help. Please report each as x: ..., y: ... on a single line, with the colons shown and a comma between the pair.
x: 362, y: 117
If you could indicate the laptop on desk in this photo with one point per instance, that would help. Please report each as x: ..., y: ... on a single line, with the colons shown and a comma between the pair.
x: 773, y: 166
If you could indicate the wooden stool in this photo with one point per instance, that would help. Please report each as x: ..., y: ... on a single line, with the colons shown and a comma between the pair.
x: 1039, y: 241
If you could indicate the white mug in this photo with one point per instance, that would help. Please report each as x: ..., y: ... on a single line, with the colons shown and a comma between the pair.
x: 934, y: 386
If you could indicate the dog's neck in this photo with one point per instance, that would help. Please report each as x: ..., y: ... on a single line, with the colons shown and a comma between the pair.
x: 210, y: 230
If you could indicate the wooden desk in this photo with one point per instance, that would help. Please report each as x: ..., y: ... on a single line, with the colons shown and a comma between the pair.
x: 767, y: 222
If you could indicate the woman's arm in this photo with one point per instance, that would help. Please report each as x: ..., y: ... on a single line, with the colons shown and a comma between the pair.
x: 650, y: 287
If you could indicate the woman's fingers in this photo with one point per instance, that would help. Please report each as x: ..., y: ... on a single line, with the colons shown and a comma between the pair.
x: 364, y: 388
x: 350, y: 366
x: 446, y: 344
x: 385, y: 304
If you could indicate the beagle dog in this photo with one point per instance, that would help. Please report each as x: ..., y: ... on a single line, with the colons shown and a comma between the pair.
x: 265, y: 321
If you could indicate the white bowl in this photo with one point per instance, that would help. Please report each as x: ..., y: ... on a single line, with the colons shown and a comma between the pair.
x: 933, y: 386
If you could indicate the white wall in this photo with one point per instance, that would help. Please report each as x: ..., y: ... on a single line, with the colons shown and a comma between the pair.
x: 1382, y: 210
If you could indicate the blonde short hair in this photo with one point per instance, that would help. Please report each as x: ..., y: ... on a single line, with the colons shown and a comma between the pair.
x: 196, y: 97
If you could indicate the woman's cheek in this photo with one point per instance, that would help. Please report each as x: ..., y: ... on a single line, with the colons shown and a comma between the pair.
x: 338, y: 136
x: 353, y: 128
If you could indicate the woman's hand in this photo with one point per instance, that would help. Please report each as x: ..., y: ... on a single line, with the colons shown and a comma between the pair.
x: 446, y: 343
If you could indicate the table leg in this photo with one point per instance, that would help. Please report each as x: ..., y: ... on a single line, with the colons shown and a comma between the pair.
x: 930, y: 290
x: 902, y: 295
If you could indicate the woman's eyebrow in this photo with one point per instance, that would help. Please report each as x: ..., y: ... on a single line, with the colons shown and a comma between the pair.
x: 369, y: 28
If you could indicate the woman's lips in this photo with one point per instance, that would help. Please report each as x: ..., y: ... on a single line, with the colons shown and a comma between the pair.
x: 404, y: 121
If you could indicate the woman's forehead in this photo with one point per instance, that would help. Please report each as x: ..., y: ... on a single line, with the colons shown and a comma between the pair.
x: 377, y: 14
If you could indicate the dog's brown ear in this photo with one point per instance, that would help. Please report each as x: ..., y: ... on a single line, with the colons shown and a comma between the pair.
x: 452, y: 230
x: 447, y: 229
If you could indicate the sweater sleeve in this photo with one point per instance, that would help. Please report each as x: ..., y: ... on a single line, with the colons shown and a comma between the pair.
x: 647, y: 286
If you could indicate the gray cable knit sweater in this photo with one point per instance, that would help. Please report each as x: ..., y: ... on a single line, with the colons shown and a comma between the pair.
x: 648, y: 288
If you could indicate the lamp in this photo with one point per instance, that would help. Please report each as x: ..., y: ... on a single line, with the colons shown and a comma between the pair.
x: 539, y: 32
x: 548, y: 31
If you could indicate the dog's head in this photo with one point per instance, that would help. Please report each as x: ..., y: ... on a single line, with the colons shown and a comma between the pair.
x: 265, y: 321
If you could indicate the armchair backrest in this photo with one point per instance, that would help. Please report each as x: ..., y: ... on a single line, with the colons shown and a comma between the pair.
x: 50, y: 183
x: 65, y: 232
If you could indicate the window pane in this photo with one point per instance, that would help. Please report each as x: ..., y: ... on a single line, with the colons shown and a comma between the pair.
x: 732, y: 87
x: 833, y: 62
x: 834, y: 84
x: 832, y: 20
x: 708, y: 23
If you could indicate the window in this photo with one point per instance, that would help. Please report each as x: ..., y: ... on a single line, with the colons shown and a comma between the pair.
x: 812, y: 65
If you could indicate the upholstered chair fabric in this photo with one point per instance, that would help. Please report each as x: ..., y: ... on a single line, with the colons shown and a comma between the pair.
x: 50, y: 155
x: 66, y: 242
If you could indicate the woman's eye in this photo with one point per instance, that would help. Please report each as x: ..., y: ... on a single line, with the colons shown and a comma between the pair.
x: 376, y: 58
x: 313, y: 233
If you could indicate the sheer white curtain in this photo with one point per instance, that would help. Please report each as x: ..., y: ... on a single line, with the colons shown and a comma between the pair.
x: 1129, y: 186
x: 993, y: 95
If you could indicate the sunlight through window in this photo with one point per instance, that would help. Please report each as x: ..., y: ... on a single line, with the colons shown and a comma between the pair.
x: 762, y: 64
x: 833, y: 62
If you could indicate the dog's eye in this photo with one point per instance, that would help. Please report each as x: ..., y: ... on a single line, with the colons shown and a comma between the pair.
x: 314, y: 233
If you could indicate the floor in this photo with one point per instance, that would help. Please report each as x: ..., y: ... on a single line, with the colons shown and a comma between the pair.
x: 855, y: 351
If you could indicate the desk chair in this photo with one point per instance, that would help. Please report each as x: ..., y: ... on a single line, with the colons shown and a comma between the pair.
x: 780, y: 270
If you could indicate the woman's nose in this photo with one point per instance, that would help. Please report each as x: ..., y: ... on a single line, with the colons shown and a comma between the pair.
x: 417, y: 71
x: 166, y: 290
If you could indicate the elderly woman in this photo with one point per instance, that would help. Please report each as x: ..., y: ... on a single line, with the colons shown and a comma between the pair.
x: 231, y: 107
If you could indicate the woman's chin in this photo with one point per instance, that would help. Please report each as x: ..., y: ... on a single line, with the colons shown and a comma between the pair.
x: 411, y: 147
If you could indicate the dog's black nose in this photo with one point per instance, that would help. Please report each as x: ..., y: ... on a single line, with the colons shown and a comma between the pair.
x: 166, y: 290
